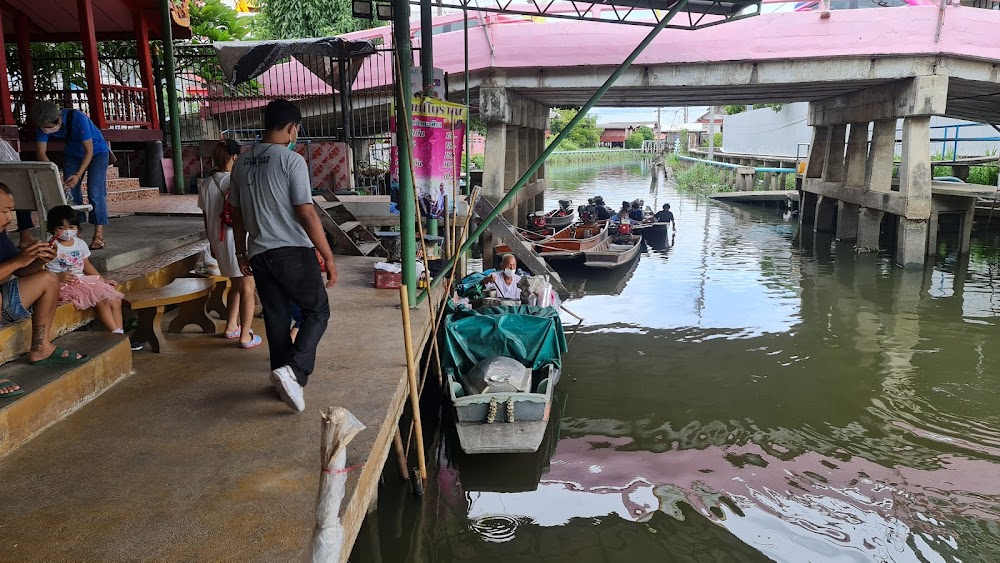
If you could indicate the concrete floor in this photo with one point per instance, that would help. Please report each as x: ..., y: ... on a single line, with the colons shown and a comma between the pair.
x: 194, y: 457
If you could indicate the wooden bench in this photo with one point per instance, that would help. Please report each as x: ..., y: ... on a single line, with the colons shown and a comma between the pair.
x: 219, y: 299
x: 191, y: 294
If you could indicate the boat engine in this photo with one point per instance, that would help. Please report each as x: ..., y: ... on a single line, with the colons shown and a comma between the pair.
x: 624, y: 229
x: 587, y: 213
x: 564, y: 208
x: 536, y: 221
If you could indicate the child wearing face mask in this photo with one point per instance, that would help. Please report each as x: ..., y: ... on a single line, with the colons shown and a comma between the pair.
x: 79, y: 282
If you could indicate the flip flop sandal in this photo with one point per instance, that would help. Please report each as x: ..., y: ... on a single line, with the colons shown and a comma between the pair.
x: 57, y: 358
x: 9, y: 383
x: 97, y: 243
x: 254, y: 342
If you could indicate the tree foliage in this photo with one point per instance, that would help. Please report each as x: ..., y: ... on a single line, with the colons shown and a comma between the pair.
x: 733, y: 110
x: 634, y: 141
x: 296, y: 19
x: 646, y: 132
x: 211, y: 21
x: 585, y: 135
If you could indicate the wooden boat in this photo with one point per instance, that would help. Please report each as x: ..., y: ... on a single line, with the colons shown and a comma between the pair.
x: 502, y: 365
x: 559, y: 222
x: 610, y: 254
x: 533, y: 237
x: 654, y: 228
x: 572, y: 241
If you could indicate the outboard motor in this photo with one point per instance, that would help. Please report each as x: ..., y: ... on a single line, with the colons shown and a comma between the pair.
x: 624, y: 228
x: 564, y: 208
x: 588, y: 213
x: 536, y: 221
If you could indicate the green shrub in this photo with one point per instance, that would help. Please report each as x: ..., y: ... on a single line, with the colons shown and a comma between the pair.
x: 701, y: 178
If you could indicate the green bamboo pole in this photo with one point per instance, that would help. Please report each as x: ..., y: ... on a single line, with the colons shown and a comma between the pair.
x: 523, y: 180
x: 173, y: 109
x: 426, y: 45
x: 404, y: 95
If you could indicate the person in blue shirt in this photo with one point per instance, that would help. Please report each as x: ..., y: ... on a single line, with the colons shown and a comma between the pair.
x: 86, y: 152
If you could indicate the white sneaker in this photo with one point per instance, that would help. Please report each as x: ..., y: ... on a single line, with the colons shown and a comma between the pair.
x: 289, y: 388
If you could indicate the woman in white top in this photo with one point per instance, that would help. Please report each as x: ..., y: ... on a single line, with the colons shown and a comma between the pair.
x: 212, y: 193
x: 506, y: 282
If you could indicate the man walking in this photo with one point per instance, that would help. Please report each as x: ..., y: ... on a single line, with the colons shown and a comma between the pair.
x: 273, y: 207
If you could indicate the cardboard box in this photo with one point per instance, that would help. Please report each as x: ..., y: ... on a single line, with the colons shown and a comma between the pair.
x: 388, y: 280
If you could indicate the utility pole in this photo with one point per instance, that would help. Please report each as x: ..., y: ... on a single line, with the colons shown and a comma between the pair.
x: 685, y: 115
x: 711, y: 133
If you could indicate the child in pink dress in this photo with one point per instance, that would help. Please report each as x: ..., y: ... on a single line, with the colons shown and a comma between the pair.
x: 79, y: 282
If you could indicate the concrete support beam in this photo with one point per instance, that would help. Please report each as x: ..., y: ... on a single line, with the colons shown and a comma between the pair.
x: 856, y: 161
x: 833, y: 170
x: 911, y: 242
x: 933, y: 225
x: 920, y: 95
x: 807, y: 208
x: 826, y: 214
x: 869, y: 228
x: 848, y: 216
x: 915, y: 164
x: 878, y: 176
x: 968, y: 218
x: 500, y: 105
x: 818, y: 152
x: 890, y: 202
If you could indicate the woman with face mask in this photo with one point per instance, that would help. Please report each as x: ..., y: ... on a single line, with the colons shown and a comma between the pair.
x: 85, y: 153
x: 506, y: 281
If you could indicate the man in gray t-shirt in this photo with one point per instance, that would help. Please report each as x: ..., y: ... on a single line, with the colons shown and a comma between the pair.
x: 278, y: 234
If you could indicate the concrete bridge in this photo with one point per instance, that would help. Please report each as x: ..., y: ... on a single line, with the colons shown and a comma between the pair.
x: 861, y: 70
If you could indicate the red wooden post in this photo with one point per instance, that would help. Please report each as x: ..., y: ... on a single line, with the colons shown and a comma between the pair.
x: 25, y: 63
x: 88, y: 36
x: 6, y: 103
x: 141, y: 28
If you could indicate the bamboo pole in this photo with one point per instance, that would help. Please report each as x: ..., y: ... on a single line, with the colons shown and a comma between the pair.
x: 411, y: 377
x: 397, y: 445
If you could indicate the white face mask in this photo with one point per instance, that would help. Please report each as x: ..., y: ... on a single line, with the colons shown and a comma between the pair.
x: 509, y: 272
x: 67, y: 235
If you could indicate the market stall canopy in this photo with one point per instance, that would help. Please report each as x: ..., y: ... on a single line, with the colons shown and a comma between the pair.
x: 243, y: 61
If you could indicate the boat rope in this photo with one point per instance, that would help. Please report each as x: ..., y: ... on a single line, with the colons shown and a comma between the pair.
x: 510, y: 409
x: 491, y: 415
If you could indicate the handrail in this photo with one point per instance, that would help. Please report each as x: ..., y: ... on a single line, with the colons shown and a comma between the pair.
x: 761, y: 169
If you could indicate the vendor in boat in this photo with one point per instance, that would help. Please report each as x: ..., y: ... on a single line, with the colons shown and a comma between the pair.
x: 506, y: 282
x: 666, y: 216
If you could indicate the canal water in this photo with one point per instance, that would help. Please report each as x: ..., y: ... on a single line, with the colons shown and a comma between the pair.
x: 740, y: 394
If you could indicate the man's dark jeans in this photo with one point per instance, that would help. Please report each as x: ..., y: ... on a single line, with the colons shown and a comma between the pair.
x: 285, y: 276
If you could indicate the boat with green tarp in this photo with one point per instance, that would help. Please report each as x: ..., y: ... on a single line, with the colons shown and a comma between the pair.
x: 502, y: 364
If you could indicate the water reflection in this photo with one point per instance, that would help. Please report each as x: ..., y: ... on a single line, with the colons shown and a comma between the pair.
x: 746, y: 393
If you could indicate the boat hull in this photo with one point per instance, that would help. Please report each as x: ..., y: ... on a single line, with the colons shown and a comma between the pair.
x: 609, y: 255
x: 559, y: 222
x: 501, y: 437
x: 571, y: 242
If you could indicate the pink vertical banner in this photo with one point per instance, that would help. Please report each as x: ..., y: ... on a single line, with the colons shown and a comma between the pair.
x: 439, y: 130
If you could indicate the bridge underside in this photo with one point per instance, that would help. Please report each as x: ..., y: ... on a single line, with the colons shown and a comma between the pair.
x: 973, y: 87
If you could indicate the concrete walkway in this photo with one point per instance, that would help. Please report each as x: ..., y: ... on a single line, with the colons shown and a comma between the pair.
x: 195, y: 458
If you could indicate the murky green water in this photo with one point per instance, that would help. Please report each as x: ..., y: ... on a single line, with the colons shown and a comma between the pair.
x: 740, y: 395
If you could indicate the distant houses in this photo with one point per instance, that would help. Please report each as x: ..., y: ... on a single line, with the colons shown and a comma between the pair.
x: 614, y: 134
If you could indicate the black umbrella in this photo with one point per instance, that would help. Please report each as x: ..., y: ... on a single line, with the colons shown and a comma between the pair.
x: 243, y: 61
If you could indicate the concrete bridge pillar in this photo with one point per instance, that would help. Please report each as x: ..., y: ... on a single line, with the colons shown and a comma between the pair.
x: 515, y: 129
x: 847, y: 221
x: 826, y: 214
x: 869, y: 229
x: 845, y: 168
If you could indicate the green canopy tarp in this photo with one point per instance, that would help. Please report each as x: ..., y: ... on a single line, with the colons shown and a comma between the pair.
x: 531, y: 335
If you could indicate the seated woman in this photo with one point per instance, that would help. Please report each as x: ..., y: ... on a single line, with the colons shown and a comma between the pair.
x: 506, y: 282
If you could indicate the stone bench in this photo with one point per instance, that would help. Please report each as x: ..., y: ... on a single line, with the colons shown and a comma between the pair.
x: 191, y: 295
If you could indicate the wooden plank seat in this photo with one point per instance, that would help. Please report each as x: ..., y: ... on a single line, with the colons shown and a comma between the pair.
x: 190, y: 294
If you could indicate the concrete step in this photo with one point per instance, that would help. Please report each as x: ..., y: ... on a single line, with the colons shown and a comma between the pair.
x: 15, y: 339
x: 113, y: 173
x: 123, y: 184
x: 52, y: 392
x: 132, y: 195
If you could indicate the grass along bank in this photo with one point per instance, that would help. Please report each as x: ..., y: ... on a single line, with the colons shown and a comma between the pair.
x: 597, y: 155
x: 704, y: 179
